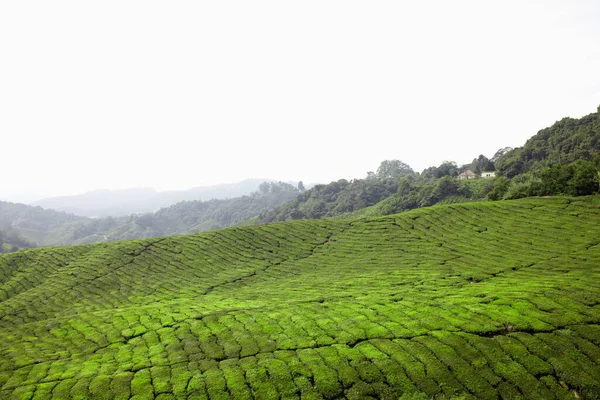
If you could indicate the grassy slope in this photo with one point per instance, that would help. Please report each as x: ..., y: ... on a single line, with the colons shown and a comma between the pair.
x: 479, y: 299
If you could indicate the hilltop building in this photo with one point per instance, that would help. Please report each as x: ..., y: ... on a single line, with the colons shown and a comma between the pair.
x: 468, y: 174
x: 488, y: 174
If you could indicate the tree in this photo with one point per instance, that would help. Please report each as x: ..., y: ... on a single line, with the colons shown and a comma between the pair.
x: 511, y: 163
x: 276, y: 188
x: 501, y: 185
x: 301, y: 187
x: 264, y: 188
x: 500, y: 153
x: 446, y: 187
x: 393, y: 169
x: 481, y: 164
x: 585, y: 179
x: 447, y: 168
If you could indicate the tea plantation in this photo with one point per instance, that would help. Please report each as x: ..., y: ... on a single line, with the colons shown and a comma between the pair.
x: 477, y: 300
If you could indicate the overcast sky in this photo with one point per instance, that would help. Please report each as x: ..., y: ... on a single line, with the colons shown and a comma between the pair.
x: 117, y: 94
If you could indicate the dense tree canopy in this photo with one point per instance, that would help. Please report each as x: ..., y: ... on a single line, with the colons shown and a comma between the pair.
x: 447, y: 168
x: 393, y: 169
x: 566, y: 141
x: 562, y: 159
x: 481, y: 164
x: 333, y: 199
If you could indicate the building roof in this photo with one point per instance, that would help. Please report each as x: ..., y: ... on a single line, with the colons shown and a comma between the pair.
x: 468, y: 173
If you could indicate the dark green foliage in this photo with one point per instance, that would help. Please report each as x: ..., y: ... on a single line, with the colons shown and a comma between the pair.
x: 501, y: 185
x: 480, y: 164
x: 393, y: 169
x: 447, y: 168
x: 419, y: 191
x: 579, y: 178
x: 584, y: 180
x: 567, y: 141
x: 511, y: 164
x: 334, y: 199
x: 472, y: 300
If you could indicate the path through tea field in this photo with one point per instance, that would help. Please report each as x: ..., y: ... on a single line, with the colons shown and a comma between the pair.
x: 480, y: 300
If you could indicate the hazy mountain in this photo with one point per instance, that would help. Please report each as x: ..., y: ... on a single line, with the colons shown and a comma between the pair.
x: 104, y: 203
x: 11, y: 241
x: 38, y: 226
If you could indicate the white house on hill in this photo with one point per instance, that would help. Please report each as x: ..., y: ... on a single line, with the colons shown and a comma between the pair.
x: 488, y: 174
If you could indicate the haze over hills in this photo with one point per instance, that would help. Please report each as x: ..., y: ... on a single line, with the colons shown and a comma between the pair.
x: 118, y: 203
x: 50, y: 228
x: 11, y: 241
x: 563, y: 159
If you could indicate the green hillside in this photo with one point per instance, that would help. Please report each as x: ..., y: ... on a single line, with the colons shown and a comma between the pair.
x: 475, y: 300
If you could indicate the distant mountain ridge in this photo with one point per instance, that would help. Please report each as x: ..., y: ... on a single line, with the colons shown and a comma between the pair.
x: 563, y: 159
x: 118, y: 203
x: 47, y: 227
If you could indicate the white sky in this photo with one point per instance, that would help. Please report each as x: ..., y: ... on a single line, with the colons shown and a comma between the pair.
x: 117, y: 94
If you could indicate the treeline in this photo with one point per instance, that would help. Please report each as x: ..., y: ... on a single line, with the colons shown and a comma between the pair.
x: 563, y: 159
x: 342, y: 196
x: 391, y: 189
x: 422, y: 191
x: 198, y: 216
x: 578, y: 178
x: 48, y: 227
x: 565, y: 142
x: 393, y: 179
x: 26, y: 217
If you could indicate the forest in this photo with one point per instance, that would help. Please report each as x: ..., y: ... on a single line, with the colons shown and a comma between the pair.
x: 563, y: 159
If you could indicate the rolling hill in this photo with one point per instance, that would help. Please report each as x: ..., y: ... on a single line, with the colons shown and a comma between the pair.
x: 475, y: 300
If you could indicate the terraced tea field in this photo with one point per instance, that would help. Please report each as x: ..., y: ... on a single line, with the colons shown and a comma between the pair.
x: 478, y: 300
